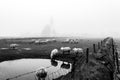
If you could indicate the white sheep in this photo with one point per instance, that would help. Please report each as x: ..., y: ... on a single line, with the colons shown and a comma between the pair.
x: 77, y: 50
x: 40, y: 42
x: 53, y: 53
x: 73, y: 41
x: 37, y: 42
x: 76, y: 41
x: 65, y: 49
x: 14, y: 46
x: 66, y: 41
x: 48, y: 40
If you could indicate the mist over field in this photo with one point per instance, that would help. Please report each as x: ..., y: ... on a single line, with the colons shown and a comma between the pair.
x: 83, y: 18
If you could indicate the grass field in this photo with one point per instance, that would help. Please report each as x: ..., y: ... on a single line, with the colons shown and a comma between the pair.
x: 44, y: 50
x: 38, y: 50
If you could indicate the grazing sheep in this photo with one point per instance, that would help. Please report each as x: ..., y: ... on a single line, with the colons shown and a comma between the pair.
x: 76, y: 41
x: 65, y: 49
x: 73, y: 41
x: 66, y: 41
x: 14, y: 46
x: 43, y: 42
x: 41, y: 73
x: 37, y: 42
x: 48, y: 40
x: 53, y: 53
x: 40, y: 42
x: 77, y: 50
x: 54, y: 40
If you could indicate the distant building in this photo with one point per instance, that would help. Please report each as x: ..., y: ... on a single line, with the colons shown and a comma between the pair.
x: 49, y: 31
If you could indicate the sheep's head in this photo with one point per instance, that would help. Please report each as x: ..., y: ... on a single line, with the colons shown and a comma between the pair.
x: 53, y: 53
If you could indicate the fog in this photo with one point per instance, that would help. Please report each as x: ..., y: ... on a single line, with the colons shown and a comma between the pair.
x: 38, y: 18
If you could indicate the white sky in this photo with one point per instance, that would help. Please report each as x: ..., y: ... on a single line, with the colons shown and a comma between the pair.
x: 89, y: 18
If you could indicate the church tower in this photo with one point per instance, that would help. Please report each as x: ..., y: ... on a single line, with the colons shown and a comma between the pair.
x: 48, y: 30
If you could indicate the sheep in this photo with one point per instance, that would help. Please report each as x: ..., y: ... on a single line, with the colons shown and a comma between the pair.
x: 41, y: 74
x: 77, y: 50
x: 54, y: 40
x: 48, y: 40
x: 14, y: 46
x: 65, y: 49
x: 53, y: 53
x: 73, y: 41
x: 76, y: 41
x: 40, y: 42
x: 66, y: 41
x: 43, y: 42
x: 37, y: 42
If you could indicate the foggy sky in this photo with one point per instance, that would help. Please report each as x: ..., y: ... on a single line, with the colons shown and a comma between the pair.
x: 89, y: 18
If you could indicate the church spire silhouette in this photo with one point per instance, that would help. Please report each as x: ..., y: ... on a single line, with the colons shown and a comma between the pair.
x: 48, y: 30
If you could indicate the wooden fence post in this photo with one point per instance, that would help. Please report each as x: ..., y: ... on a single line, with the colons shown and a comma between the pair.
x: 113, y: 51
x: 101, y: 43
x: 94, y: 49
x: 117, y: 61
x: 87, y: 55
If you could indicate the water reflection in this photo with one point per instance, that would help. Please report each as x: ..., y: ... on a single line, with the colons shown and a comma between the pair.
x: 10, y: 69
